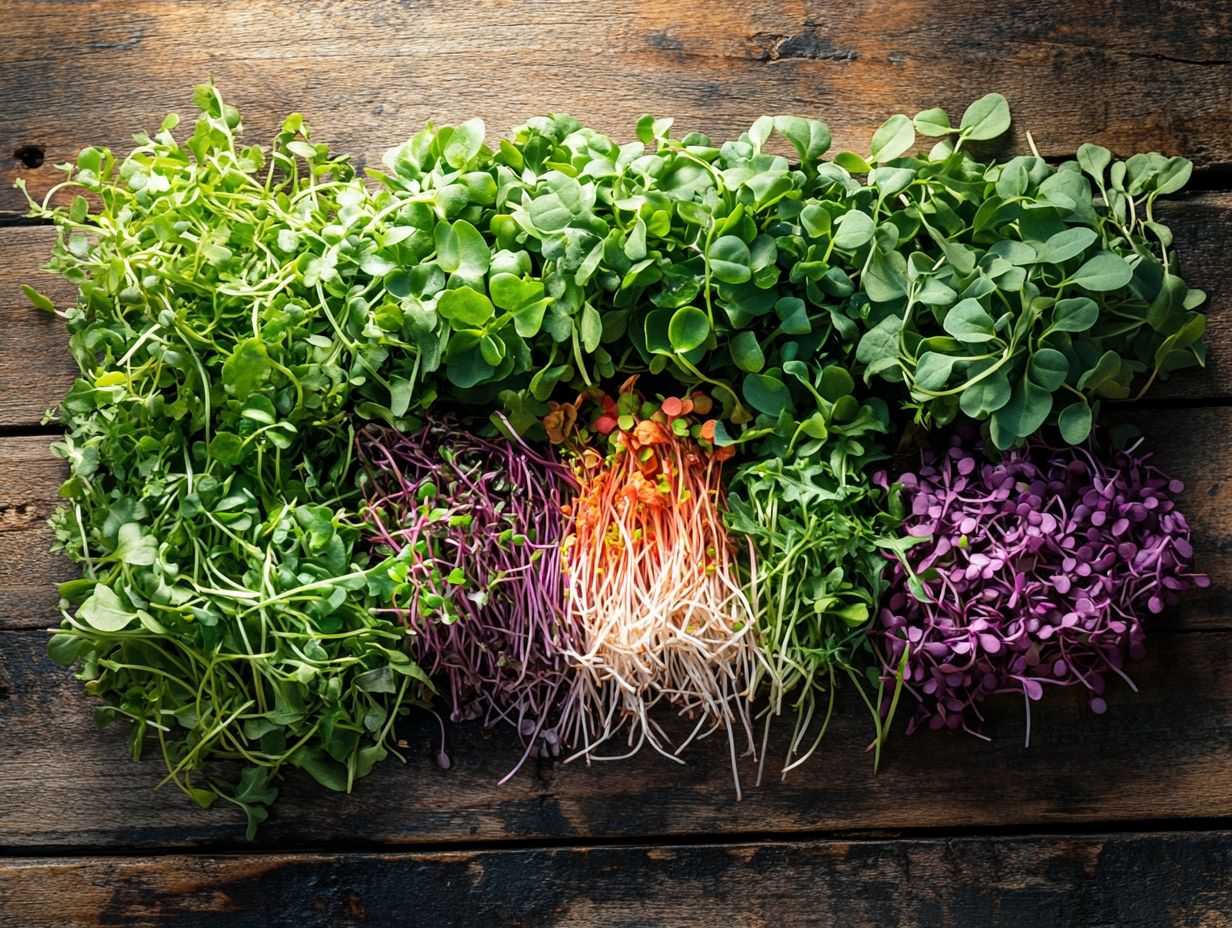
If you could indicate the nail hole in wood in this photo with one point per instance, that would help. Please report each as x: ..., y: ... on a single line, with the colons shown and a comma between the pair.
x: 30, y: 155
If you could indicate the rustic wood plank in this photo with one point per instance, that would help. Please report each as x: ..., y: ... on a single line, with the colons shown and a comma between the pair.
x: 38, y: 369
x: 29, y: 478
x: 1130, y: 881
x: 1141, y: 75
x: 1189, y: 444
x: 1162, y: 754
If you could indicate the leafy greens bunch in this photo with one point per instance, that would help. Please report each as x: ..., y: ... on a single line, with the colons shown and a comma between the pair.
x: 1016, y: 292
x: 1012, y: 292
x: 820, y: 533
x: 1031, y: 570
x: 226, y: 609
x: 244, y: 312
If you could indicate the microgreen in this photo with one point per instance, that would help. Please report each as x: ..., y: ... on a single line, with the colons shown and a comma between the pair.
x: 662, y: 621
x: 225, y: 605
x: 244, y: 312
x: 1020, y: 293
x: 1033, y: 569
x: 819, y: 532
x: 481, y: 523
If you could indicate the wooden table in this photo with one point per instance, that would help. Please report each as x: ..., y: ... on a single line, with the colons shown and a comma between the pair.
x: 1119, y: 820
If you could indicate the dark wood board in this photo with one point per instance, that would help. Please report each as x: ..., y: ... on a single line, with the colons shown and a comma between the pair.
x: 1137, y: 75
x: 1162, y: 754
x: 1118, y: 881
x: 1137, y: 804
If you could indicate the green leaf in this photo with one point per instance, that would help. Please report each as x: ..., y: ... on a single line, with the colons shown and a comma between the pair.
x: 1105, y: 272
x: 852, y: 230
x: 809, y: 137
x: 969, y: 322
x: 766, y: 394
x: 886, y: 277
x: 1075, y: 422
x: 1048, y: 368
x: 104, y: 611
x: 793, y: 316
x: 474, y: 256
x: 135, y: 547
x: 894, y: 137
x: 1077, y: 314
x: 878, y: 348
x: 227, y: 448
x: 66, y: 649
x: 932, y: 370
x: 746, y: 352
x: 1094, y: 159
x: 37, y: 300
x: 986, y: 118
x: 591, y: 329
x: 836, y: 382
x: 464, y: 308
x: 688, y: 329
x: 850, y: 161
x: 933, y: 123
x: 1068, y: 244
x: 985, y: 396
x: 1023, y: 415
x: 729, y: 259
x: 464, y: 143
x: 399, y: 395
x: 1105, y: 372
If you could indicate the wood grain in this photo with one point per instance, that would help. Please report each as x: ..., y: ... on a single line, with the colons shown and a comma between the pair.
x: 1139, y: 75
x: 29, y: 572
x: 1162, y: 754
x: 1128, y: 881
x: 37, y: 369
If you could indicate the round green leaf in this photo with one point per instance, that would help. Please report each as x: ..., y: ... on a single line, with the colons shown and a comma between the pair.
x: 766, y: 394
x: 1075, y: 422
x: 746, y: 352
x: 986, y: 118
x: 836, y: 383
x: 688, y: 329
x: 969, y: 322
x: 985, y: 396
x: 894, y: 137
x: 932, y: 370
x: 1023, y: 415
x: 1102, y: 273
x: 1048, y: 368
x: 492, y: 348
x: 464, y: 308
x: 134, y: 546
x: 1067, y: 244
x: 730, y: 259
x: 104, y: 611
x: 1076, y: 314
x: 852, y: 230
x: 933, y: 123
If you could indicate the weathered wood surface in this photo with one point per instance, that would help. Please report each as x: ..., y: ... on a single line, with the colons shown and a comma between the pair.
x: 1134, y: 75
x: 1162, y: 754
x: 38, y: 369
x: 1143, y: 881
x: 1137, y: 75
